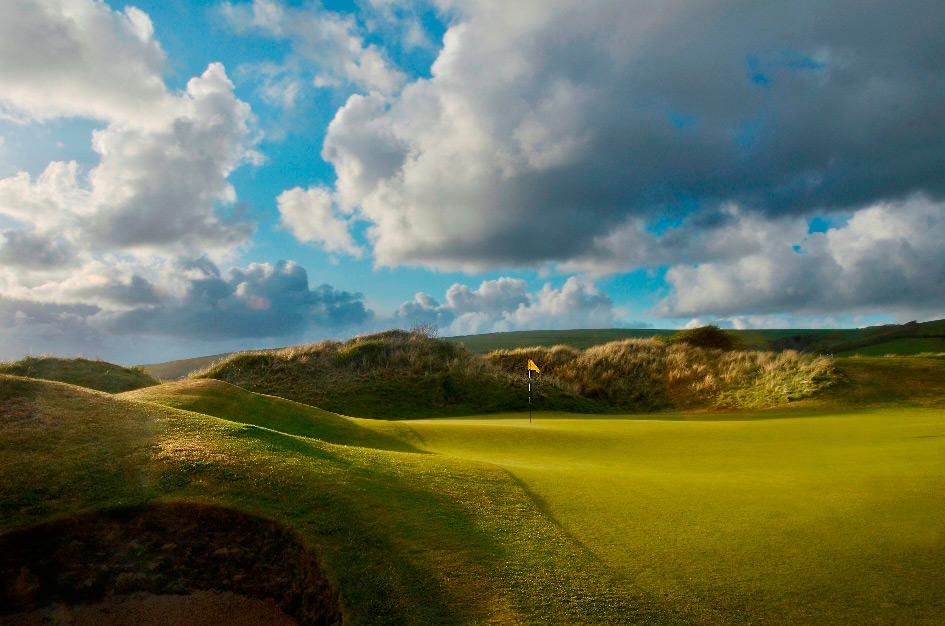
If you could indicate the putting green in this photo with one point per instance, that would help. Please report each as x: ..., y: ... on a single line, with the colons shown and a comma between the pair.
x: 767, y: 517
x: 802, y: 516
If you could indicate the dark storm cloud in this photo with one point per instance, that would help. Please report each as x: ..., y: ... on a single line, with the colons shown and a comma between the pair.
x: 24, y: 249
x: 538, y: 135
x: 258, y: 301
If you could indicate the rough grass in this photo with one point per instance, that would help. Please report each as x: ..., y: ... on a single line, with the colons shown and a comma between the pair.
x: 390, y: 375
x: 645, y: 374
x: 408, y: 538
x: 819, y: 515
x: 404, y: 375
x: 99, y: 375
x: 902, y: 347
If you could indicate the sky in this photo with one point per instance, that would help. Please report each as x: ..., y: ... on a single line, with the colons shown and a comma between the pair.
x: 185, y: 178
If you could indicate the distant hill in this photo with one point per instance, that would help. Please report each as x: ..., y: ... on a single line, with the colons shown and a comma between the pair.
x: 403, y: 375
x: 577, y: 338
x: 99, y: 375
x: 175, y: 370
x: 897, y: 339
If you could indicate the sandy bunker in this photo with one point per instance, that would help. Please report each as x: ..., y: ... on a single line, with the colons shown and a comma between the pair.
x: 191, y: 561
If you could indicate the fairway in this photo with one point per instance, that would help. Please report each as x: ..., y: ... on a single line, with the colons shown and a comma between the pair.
x: 808, y: 515
x: 764, y: 518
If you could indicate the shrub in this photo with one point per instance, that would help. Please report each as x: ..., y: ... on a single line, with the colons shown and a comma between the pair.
x: 707, y: 337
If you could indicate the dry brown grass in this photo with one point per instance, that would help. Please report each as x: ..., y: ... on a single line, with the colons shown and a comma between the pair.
x: 655, y: 374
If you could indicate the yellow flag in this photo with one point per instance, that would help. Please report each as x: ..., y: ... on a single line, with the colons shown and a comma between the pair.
x: 533, y: 367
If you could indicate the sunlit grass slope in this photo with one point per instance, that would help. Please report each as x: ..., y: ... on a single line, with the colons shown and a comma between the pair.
x: 389, y: 375
x: 409, y: 537
x: 813, y: 515
x: 769, y: 518
x: 99, y: 375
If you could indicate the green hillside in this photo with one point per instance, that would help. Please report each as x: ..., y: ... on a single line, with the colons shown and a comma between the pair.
x: 819, y: 514
x: 99, y: 375
x: 175, y: 370
x: 577, y: 338
x: 904, y: 340
x: 401, y: 375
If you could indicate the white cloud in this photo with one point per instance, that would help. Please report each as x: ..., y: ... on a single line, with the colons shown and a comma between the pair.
x: 505, y: 304
x: 886, y: 258
x: 493, y: 297
x: 330, y: 41
x: 310, y: 214
x: 80, y: 58
x: 155, y: 188
x: 546, y: 127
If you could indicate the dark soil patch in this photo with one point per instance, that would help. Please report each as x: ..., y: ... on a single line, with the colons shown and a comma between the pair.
x: 162, y: 549
x: 200, y: 608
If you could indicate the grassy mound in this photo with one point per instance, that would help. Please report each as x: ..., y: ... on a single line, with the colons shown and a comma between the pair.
x: 804, y: 516
x: 648, y: 374
x: 407, y: 538
x: 390, y: 375
x: 99, y: 375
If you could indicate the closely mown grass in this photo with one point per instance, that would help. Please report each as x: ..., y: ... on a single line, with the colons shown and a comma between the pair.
x: 99, y: 375
x: 817, y: 515
x: 409, y: 538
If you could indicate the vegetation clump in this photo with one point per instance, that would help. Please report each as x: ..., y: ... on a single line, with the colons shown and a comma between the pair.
x: 99, y: 375
x: 710, y: 336
x: 407, y: 374
x: 651, y: 374
x: 395, y: 374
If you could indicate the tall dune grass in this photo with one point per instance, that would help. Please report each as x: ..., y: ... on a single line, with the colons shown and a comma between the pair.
x: 654, y: 374
x: 406, y: 374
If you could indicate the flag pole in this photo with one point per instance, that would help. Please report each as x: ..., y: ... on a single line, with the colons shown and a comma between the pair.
x: 529, y: 395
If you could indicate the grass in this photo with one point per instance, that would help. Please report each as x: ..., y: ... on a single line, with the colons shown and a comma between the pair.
x: 901, y: 347
x: 578, y: 338
x: 818, y: 514
x: 649, y: 374
x: 401, y: 375
x: 825, y: 518
x: 841, y: 341
x: 99, y: 375
x: 181, y: 368
x: 391, y: 375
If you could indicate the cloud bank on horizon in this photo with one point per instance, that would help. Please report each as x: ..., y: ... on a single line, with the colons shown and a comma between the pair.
x: 772, y: 164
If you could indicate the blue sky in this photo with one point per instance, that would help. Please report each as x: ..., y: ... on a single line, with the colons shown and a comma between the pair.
x: 178, y: 178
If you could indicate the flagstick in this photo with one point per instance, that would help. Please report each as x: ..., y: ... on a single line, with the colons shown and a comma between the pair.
x: 529, y: 396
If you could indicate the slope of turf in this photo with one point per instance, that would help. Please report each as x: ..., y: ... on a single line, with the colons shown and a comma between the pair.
x: 99, y: 375
x: 413, y: 538
x: 401, y: 375
x: 389, y: 375
x: 175, y: 370
x: 816, y: 518
x: 814, y: 515
x: 887, y: 381
x: 901, y: 347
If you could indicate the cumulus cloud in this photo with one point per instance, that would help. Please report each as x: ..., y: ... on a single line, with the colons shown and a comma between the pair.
x: 546, y: 126
x: 260, y: 300
x: 110, y: 310
x: 156, y: 187
x: 25, y: 249
x: 94, y: 259
x: 505, y: 304
x: 312, y: 216
x: 886, y: 258
x: 331, y: 41
x: 80, y: 58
